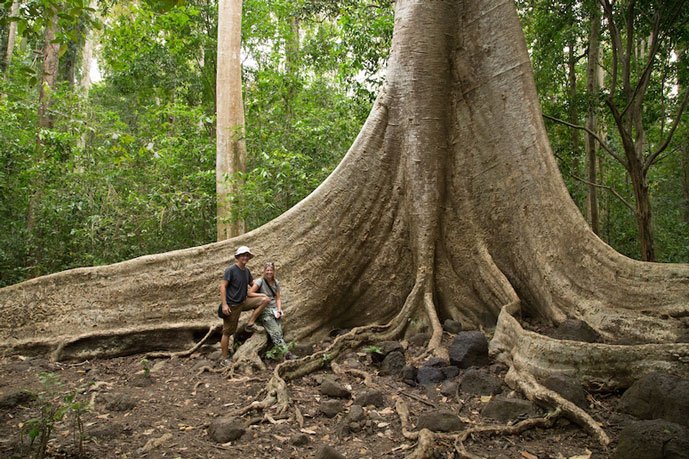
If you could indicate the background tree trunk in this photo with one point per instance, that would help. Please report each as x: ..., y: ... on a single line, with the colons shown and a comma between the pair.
x: 50, y: 67
x: 448, y: 205
x: 592, y: 79
x: 11, y: 36
x: 230, y: 137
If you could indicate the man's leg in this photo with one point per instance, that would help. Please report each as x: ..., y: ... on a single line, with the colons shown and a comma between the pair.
x: 258, y: 304
x: 229, y: 326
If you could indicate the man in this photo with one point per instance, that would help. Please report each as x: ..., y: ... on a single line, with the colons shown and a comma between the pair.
x: 235, y: 297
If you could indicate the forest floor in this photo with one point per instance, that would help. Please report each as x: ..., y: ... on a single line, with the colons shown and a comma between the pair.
x: 136, y: 408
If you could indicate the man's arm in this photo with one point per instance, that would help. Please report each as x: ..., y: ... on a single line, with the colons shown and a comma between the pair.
x: 223, y: 297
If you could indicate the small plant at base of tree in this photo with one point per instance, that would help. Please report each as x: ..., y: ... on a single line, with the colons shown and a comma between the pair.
x: 278, y: 352
x: 53, y: 409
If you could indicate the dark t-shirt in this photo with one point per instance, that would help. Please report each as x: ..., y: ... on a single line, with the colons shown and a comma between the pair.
x: 238, y: 284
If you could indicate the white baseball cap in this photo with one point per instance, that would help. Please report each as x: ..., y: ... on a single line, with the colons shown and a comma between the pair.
x: 243, y: 249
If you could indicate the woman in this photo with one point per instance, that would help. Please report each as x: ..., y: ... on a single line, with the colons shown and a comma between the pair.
x: 273, y: 313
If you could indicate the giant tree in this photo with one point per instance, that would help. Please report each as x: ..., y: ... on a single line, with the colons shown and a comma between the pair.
x: 448, y: 204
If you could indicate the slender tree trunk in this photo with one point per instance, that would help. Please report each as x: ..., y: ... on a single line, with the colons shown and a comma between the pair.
x: 230, y: 137
x: 592, y: 79
x: 292, y: 66
x: 11, y: 36
x: 49, y: 74
x: 684, y: 158
x: 573, y: 112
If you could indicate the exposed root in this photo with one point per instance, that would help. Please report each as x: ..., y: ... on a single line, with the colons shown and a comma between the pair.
x: 212, y: 329
x: 246, y: 359
x: 365, y: 375
x: 277, y: 393
x: 435, y: 343
x: 425, y: 445
x: 536, y: 392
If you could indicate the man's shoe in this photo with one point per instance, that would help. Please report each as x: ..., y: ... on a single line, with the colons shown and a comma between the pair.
x: 290, y: 356
x: 251, y: 328
x: 226, y: 362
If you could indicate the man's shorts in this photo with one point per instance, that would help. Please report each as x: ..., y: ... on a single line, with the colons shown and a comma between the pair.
x: 229, y: 323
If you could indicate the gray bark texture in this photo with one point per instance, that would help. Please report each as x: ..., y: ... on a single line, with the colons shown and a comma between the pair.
x: 449, y: 204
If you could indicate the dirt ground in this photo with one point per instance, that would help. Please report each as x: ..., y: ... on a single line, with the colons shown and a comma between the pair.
x: 162, y: 408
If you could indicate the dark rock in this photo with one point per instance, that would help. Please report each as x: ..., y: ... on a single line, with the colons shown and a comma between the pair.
x: 386, y: 347
x: 328, y: 452
x: 222, y: 430
x: 508, y: 409
x: 440, y: 421
x: 371, y: 397
x: 141, y: 380
x: 393, y: 363
x: 303, y: 349
x: 429, y: 375
x: 480, y: 382
x: 13, y: 399
x: 356, y: 413
x: 449, y: 388
x: 658, y: 395
x: 469, y: 349
x: 331, y: 407
x: 333, y: 389
x: 567, y: 388
x: 299, y: 439
x: 419, y: 340
x: 450, y: 372
x: 576, y: 330
x: 452, y: 326
x: 656, y: 439
x: 409, y: 375
x: 436, y: 362
x: 119, y: 402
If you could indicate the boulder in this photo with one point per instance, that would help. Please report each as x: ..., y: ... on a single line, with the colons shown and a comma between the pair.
x: 568, y: 389
x: 658, y: 396
x: 440, y: 421
x: 370, y: 397
x: 469, y: 349
x: 429, y: 375
x: 480, y: 382
x: 225, y: 429
x: 508, y: 409
x: 331, y: 407
x: 656, y: 439
x: 332, y: 388
x: 452, y: 326
x: 393, y: 363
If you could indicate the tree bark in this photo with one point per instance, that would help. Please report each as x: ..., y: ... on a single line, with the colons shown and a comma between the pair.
x: 230, y: 136
x: 11, y: 36
x: 449, y: 204
x: 592, y: 79
x: 49, y: 74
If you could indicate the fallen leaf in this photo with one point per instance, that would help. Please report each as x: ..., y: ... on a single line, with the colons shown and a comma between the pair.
x: 486, y: 398
x: 308, y: 431
x: 586, y: 455
x: 528, y: 455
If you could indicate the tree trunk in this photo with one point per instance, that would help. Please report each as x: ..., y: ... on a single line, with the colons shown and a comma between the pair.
x: 230, y: 137
x: 87, y: 56
x: 449, y: 204
x: 592, y: 79
x: 11, y: 36
x: 684, y: 159
x: 49, y: 75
